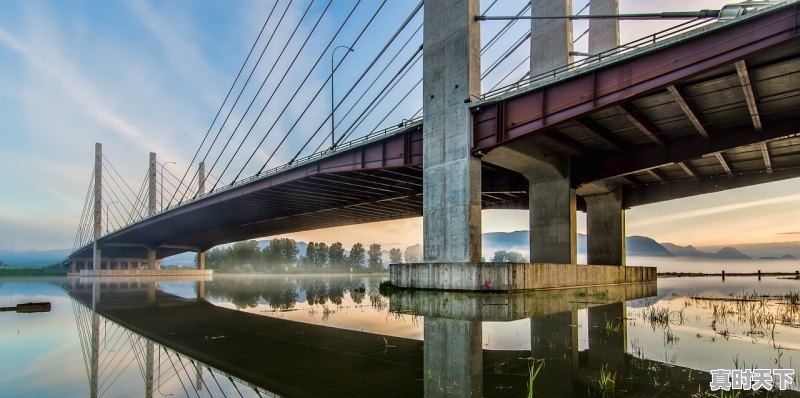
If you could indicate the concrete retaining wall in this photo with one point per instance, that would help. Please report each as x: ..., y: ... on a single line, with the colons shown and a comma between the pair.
x: 145, y: 272
x: 505, y: 277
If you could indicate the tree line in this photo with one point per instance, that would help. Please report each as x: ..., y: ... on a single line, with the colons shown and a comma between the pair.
x: 282, y: 254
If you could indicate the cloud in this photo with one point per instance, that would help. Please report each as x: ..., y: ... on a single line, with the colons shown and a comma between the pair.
x: 788, y: 233
x: 714, y: 210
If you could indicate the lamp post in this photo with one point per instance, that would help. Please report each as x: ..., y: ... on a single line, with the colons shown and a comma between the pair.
x: 108, y: 214
x: 162, y: 183
x: 333, y: 142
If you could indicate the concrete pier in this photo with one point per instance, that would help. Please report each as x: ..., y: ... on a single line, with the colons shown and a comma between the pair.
x: 452, y: 176
x: 603, y: 33
x: 551, y: 39
x: 605, y: 220
x: 453, y: 358
x: 510, y: 277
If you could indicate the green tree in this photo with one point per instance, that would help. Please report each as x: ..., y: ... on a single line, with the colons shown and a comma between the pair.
x: 357, y: 256
x: 374, y: 254
x: 395, y: 256
x: 413, y: 254
x: 502, y: 256
x: 320, y: 254
x: 336, y: 255
x: 311, y: 254
x: 281, y: 252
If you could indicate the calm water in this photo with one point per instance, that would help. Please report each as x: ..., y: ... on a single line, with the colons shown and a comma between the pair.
x: 338, y: 336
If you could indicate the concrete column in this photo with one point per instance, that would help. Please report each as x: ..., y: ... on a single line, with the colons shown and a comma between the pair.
x: 201, y: 260
x: 605, y: 220
x: 151, y: 186
x: 554, y: 338
x: 72, y: 266
x: 94, y: 360
x: 201, y: 178
x: 608, y: 337
x: 98, y: 204
x: 152, y: 263
x: 98, y: 190
x: 148, y: 373
x: 453, y: 358
x: 452, y: 177
x: 97, y: 259
x: 551, y: 39
x: 201, y: 290
x: 603, y: 33
x: 151, y: 292
x: 553, y: 219
x: 551, y: 200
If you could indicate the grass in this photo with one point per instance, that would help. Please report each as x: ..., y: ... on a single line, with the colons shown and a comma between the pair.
x: 532, y: 373
x: 606, y: 381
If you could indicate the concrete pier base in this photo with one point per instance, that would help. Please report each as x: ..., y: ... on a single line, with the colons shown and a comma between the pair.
x: 509, y: 277
x: 145, y: 272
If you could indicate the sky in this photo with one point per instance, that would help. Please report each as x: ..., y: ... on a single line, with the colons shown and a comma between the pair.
x: 141, y: 76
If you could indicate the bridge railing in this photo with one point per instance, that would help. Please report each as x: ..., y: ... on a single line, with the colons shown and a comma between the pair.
x: 594, y: 59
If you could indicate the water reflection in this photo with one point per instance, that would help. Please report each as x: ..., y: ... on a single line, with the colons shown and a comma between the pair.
x: 337, y: 336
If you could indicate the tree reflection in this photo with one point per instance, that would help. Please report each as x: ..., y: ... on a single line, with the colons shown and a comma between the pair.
x: 281, y: 296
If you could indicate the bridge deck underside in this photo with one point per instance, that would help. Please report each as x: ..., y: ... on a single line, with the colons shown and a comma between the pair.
x: 316, y: 201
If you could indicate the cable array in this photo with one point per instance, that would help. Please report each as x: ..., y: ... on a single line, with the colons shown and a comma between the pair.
x: 284, y: 77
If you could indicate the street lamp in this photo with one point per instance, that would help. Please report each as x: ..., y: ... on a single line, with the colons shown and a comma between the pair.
x: 333, y: 143
x: 108, y: 214
x: 162, y: 183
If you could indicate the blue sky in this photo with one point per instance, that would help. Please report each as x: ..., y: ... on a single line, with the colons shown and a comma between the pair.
x: 143, y: 76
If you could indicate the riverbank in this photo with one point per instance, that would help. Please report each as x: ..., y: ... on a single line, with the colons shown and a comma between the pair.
x: 32, y: 272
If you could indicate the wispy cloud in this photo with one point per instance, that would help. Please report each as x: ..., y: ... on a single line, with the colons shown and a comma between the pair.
x: 714, y: 210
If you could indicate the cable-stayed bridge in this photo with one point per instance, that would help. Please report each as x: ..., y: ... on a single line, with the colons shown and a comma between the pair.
x: 704, y: 106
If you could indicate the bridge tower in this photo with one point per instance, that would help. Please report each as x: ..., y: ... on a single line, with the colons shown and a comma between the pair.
x: 201, y: 190
x: 98, y: 204
x: 452, y: 176
x: 152, y: 179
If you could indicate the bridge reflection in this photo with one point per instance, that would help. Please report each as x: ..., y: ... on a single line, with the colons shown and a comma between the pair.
x: 204, y: 349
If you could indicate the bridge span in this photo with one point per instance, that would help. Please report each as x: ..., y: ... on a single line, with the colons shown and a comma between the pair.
x: 700, y: 111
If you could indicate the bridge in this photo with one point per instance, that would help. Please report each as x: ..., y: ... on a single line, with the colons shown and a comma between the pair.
x: 698, y: 108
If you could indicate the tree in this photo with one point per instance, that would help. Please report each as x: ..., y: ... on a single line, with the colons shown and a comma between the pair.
x: 336, y: 255
x: 311, y: 254
x: 375, y: 260
x: 502, y: 256
x: 281, y: 251
x: 357, y: 256
x: 245, y: 252
x: 413, y: 254
x: 396, y: 256
x: 499, y: 256
x: 320, y: 254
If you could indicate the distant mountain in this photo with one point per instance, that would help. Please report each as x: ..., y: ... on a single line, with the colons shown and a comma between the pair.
x: 725, y: 253
x: 644, y: 246
x: 729, y: 253
x: 685, y: 251
x: 519, y: 240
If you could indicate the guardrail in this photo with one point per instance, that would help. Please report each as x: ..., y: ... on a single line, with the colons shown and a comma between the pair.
x: 592, y: 60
